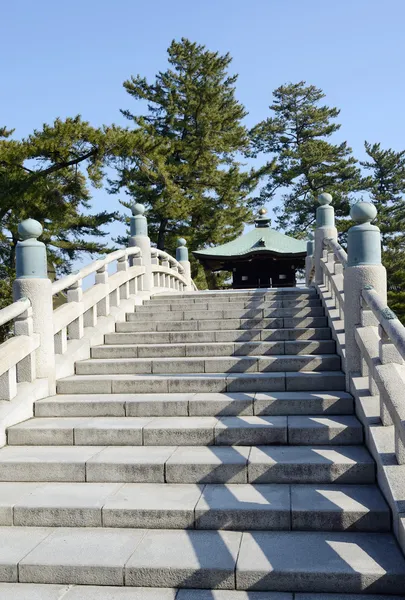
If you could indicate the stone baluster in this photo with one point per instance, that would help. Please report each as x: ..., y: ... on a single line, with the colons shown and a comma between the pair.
x: 123, y: 266
x: 325, y: 228
x: 363, y: 269
x: 309, y: 259
x: 32, y: 282
x: 182, y: 257
x: 139, y: 237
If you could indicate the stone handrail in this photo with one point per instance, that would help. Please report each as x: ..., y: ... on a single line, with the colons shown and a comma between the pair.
x: 339, y: 253
x: 62, y: 284
x: 47, y: 341
x: 17, y: 361
x: 11, y: 312
x: 381, y: 342
x: 369, y: 338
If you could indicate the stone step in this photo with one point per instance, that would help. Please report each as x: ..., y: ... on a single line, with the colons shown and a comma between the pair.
x: 221, y: 324
x: 212, y: 364
x: 201, y: 315
x: 214, y: 349
x: 186, y: 431
x: 188, y: 464
x: 252, y: 304
x: 203, y: 382
x: 181, y: 405
x: 235, y: 507
x: 179, y: 337
x: 38, y: 591
x: 236, y: 295
x: 322, y: 561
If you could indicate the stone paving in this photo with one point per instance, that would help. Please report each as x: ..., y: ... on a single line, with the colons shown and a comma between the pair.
x: 206, y: 451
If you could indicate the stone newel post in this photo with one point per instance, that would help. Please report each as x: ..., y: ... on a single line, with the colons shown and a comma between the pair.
x: 309, y: 259
x: 182, y: 257
x: 139, y: 237
x: 325, y: 228
x: 32, y: 282
x: 364, y: 268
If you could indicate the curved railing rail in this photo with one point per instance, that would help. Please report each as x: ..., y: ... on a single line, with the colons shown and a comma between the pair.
x: 381, y: 341
x: 333, y: 262
x: 17, y: 364
x: 83, y: 307
x: 369, y: 338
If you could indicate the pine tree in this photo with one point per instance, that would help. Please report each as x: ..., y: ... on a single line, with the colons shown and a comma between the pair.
x: 386, y: 185
x: 195, y: 118
x: 45, y: 176
x: 307, y: 163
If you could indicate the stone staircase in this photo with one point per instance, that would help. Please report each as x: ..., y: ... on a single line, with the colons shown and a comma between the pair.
x: 207, y: 446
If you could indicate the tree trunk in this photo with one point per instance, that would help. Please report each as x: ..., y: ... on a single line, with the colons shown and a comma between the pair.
x: 162, y: 234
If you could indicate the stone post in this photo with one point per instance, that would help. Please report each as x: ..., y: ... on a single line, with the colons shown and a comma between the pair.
x: 325, y: 228
x: 309, y: 259
x: 32, y: 282
x: 139, y: 237
x: 363, y: 269
x: 182, y: 257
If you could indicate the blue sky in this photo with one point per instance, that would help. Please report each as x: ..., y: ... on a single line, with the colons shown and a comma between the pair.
x: 64, y: 58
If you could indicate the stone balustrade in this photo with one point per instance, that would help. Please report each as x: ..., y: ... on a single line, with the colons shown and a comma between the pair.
x: 47, y: 341
x: 369, y: 338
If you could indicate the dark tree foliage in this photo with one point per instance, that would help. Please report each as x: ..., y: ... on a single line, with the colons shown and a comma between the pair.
x: 297, y: 135
x: 194, y: 116
x: 387, y: 189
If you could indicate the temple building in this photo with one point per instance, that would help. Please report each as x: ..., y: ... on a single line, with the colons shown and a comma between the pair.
x: 261, y: 258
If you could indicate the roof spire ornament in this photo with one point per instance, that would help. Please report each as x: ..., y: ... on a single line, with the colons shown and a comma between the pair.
x: 262, y: 220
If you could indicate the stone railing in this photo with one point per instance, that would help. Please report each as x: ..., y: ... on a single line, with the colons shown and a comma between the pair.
x: 369, y: 338
x: 47, y: 341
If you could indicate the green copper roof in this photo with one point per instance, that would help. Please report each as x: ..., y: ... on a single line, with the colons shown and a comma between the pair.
x: 260, y: 239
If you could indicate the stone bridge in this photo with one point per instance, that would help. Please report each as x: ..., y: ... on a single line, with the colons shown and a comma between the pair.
x: 160, y: 442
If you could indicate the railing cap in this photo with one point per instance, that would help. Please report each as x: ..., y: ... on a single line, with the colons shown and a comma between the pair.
x: 325, y: 198
x: 138, y: 209
x: 363, y: 212
x: 181, y: 242
x: 30, y: 228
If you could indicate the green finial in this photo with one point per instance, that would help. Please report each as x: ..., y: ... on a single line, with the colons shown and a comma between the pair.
x: 181, y: 242
x: 325, y: 199
x: 138, y: 209
x: 363, y: 212
x: 30, y: 229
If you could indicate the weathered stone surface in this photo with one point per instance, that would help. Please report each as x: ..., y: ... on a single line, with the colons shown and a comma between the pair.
x: 16, y: 543
x: 33, y: 591
x: 10, y: 494
x: 85, y: 556
x: 302, y: 403
x: 180, y: 431
x: 304, y: 430
x: 208, y: 465
x: 337, y: 562
x: 231, y: 595
x: 321, y: 381
x: 143, y: 464
x: 82, y: 405
x: 116, y: 593
x: 338, y: 508
x: 226, y: 404
x: 243, y: 507
x: 109, y: 431
x: 63, y: 505
x: 154, y: 506
x: 303, y: 464
x: 255, y: 382
x: 251, y: 430
x: 185, y: 559
x: 158, y: 405
x: 24, y: 463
